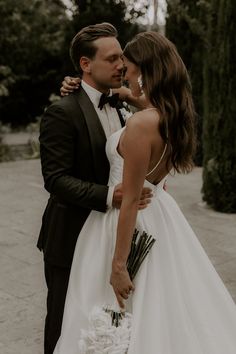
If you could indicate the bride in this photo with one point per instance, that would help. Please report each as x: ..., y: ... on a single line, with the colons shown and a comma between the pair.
x: 179, y: 304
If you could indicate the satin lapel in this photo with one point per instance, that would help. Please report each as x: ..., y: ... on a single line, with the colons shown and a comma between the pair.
x: 122, y: 122
x: 97, y: 137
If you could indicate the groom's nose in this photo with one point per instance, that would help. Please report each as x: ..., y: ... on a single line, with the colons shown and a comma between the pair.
x: 120, y: 65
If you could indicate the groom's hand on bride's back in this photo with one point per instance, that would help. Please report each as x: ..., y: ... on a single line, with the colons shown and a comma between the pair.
x: 145, y: 198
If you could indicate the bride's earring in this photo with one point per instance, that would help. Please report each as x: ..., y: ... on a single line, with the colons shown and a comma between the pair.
x: 140, y: 82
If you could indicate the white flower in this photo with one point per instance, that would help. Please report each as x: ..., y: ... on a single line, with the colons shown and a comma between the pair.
x: 82, y: 346
x: 104, y: 338
x: 125, y: 113
x: 99, y: 318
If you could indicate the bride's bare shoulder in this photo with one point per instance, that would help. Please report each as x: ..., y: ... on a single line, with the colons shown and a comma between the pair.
x: 145, y: 120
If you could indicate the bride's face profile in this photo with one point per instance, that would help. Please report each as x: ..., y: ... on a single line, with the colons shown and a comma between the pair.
x: 132, y: 73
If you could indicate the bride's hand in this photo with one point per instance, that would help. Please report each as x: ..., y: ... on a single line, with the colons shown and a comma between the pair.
x: 69, y: 84
x: 121, y: 283
x: 128, y: 96
x: 124, y: 93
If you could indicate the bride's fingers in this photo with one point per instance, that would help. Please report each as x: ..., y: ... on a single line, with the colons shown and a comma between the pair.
x: 131, y: 288
x: 72, y: 81
x: 65, y: 92
x: 120, y: 300
x: 127, y: 291
x: 68, y: 87
x: 68, y: 80
x: 77, y: 80
x: 124, y: 294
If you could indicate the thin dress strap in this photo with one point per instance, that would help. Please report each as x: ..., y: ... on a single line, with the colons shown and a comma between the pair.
x: 164, y: 151
x: 158, y: 163
x: 149, y: 109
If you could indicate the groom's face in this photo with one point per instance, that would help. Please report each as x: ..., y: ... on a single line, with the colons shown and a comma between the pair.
x: 106, y: 68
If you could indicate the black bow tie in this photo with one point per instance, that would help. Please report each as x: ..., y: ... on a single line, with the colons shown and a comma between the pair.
x: 112, y: 100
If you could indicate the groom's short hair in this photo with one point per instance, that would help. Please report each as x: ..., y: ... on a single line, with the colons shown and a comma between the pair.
x: 82, y: 44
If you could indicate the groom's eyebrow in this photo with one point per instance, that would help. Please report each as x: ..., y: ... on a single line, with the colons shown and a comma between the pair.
x: 113, y: 57
x: 113, y: 52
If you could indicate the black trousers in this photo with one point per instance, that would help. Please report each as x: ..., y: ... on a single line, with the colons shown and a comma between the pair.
x: 57, y: 279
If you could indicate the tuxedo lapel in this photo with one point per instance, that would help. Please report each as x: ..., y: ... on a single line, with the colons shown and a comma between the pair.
x: 122, y: 122
x: 97, y: 137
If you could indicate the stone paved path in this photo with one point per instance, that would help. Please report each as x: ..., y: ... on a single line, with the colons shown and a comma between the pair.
x: 22, y: 287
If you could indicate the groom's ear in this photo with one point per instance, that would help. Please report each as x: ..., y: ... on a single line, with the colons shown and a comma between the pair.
x: 85, y: 64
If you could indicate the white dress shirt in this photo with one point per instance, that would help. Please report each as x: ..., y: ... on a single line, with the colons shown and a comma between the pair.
x: 108, y: 115
x: 109, y: 119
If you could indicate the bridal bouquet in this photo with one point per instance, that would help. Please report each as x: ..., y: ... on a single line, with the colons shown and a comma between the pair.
x: 109, y: 330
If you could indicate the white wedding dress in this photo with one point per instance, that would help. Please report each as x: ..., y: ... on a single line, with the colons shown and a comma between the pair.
x: 179, y: 306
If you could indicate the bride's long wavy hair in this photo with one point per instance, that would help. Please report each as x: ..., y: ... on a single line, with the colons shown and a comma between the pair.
x: 167, y: 85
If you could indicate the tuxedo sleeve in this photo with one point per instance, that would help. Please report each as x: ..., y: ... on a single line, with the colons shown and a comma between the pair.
x: 57, y: 149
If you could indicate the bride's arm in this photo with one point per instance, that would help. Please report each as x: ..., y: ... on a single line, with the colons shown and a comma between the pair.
x: 125, y: 94
x: 136, y: 150
x: 69, y: 84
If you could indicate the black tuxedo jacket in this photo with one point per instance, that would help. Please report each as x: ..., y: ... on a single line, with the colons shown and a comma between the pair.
x: 75, y: 170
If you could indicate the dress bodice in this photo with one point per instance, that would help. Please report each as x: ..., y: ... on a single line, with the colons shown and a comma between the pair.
x: 117, y: 162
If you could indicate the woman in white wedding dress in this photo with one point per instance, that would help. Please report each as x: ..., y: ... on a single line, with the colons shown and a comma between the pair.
x: 179, y: 304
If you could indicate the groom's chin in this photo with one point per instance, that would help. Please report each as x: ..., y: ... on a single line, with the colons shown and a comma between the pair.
x: 117, y: 84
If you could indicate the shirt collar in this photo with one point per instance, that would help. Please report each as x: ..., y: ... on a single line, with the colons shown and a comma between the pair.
x: 93, y: 94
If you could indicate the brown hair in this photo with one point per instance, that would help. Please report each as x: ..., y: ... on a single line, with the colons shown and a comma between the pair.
x: 83, y: 42
x: 167, y: 85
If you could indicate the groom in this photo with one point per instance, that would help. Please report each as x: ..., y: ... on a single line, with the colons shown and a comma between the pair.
x: 75, y: 168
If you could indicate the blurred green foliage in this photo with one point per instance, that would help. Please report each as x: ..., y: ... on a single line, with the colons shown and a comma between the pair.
x: 34, y: 45
x: 31, y: 40
x: 186, y: 26
x: 204, y: 33
x: 219, y: 177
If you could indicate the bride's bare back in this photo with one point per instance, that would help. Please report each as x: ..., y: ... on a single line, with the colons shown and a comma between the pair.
x: 142, y: 143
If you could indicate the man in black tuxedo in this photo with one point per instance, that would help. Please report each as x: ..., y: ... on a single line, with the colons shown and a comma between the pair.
x: 75, y: 168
